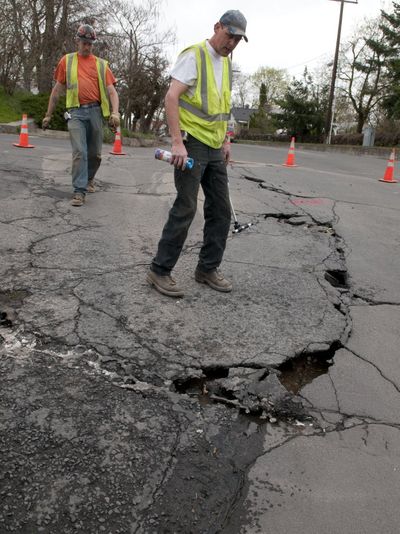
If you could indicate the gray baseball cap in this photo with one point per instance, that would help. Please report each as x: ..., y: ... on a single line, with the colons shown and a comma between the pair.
x: 235, y: 22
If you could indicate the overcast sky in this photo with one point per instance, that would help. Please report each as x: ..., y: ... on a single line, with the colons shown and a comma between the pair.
x: 282, y: 33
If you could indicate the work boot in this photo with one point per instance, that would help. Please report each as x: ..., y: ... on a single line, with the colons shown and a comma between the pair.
x: 78, y: 199
x: 165, y: 284
x: 214, y: 279
x: 91, y: 187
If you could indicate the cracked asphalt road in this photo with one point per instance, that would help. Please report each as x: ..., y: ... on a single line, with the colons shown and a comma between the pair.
x: 125, y: 411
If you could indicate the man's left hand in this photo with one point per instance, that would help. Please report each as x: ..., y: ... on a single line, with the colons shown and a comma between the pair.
x: 226, y: 151
x: 114, y: 121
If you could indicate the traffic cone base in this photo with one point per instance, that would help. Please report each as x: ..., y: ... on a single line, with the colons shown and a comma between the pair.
x: 117, y: 148
x: 23, y: 136
x: 388, y: 177
x: 290, y: 157
x: 23, y: 146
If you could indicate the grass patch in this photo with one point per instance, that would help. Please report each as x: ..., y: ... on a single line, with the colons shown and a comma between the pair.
x: 10, y: 106
x: 137, y: 135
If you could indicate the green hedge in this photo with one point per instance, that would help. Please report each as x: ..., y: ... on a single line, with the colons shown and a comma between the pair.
x: 35, y: 106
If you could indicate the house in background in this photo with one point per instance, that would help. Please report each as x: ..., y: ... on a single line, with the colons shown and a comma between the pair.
x: 240, y: 119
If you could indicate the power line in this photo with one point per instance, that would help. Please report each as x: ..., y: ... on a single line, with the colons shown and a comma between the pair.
x: 306, y: 62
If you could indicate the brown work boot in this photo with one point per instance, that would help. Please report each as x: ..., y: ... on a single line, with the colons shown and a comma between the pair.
x: 165, y: 284
x: 78, y: 199
x: 91, y: 188
x: 214, y: 279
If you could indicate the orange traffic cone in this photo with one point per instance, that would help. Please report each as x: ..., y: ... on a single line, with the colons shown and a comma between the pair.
x: 117, y: 148
x: 23, y: 136
x: 389, y: 170
x: 290, y: 158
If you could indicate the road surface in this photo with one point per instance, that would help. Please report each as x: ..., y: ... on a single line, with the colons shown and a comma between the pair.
x: 273, y: 409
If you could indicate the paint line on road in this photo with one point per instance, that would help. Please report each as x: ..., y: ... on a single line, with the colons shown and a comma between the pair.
x: 335, y: 173
x: 252, y: 164
x: 256, y: 164
x: 308, y: 201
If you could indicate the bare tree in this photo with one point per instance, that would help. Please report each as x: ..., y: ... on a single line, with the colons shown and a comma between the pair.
x: 241, y: 88
x: 10, y: 63
x: 136, y: 49
x: 361, y: 72
x: 36, y: 33
x: 40, y: 31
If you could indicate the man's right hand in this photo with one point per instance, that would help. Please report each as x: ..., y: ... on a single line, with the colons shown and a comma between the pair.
x: 46, y: 121
x: 114, y: 121
x: 179, y: 155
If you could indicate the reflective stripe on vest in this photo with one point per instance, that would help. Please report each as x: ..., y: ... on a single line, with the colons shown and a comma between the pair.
x: 72, y: 83
x: 205, y: 114
x: 200, y: 113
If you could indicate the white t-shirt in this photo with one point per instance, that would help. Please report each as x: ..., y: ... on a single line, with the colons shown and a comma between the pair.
x: 185, y: 69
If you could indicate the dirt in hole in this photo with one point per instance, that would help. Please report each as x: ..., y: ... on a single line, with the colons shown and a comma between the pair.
x: 300, y: 371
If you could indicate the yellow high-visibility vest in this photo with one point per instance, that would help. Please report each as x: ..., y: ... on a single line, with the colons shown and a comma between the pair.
x: 72, y: 100
x: 205, y: 115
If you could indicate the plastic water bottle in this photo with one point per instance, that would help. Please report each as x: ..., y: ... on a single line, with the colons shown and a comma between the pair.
x: 164, y: 155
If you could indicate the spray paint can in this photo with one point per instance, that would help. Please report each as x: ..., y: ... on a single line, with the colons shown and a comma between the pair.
x: 164, y: 155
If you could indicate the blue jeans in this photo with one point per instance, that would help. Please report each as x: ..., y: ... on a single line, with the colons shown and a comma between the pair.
x: 210, y: 172
x: 86, y: 135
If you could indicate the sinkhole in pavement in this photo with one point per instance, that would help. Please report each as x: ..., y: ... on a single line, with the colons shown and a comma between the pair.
x: 8, y: 301
x: 337, y: 278
x: 298, y: 372
x: 5, y: 322
x: 285, y: 217
x: 260, y: 391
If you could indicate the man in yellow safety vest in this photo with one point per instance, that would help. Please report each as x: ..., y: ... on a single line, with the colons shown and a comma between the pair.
x: 89, y: 84
x: 197, y: 105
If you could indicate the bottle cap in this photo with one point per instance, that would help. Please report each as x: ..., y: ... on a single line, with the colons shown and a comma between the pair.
x: 189, y: 163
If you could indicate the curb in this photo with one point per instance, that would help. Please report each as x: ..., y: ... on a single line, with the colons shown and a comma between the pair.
x: 378, y: 151
x: 34, y: 131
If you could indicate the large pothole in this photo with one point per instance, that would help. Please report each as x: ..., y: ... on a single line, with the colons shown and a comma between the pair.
x: 262, y: 392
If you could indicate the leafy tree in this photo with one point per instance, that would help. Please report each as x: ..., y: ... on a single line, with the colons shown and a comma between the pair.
x: 263, y: 96
x: 303, y: 109
x: 261, y: 119
x: 275, y: 83
x: 388, y: 48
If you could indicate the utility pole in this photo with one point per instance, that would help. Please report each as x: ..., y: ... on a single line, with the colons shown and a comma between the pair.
x: 329, y: 114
